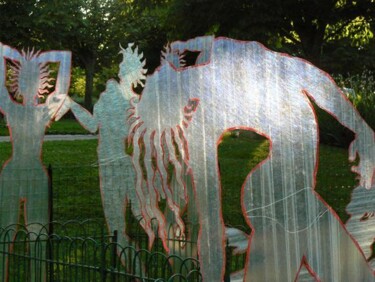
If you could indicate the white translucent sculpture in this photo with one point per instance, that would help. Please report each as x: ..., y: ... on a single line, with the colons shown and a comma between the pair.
x: 115, y: 166
x: 361, y: 224
x: 23, y: 178
x: 242, y: 85
x: 179, y: 119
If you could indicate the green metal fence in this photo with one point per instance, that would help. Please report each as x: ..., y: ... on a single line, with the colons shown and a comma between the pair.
x: 74, y: 248
x: 72, y: 254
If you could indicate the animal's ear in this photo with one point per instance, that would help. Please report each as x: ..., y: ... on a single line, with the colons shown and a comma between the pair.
x: 189, y: 110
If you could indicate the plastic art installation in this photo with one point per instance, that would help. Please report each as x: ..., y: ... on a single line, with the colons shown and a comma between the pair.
x: 115, y: 167
x: 23, y: 178
x: 361, y: 224
x: 180, y: 119
x: 242, y: 85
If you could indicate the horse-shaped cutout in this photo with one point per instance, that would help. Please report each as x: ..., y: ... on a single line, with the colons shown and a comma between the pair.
x: 242, y: 85
x: 23, y: 178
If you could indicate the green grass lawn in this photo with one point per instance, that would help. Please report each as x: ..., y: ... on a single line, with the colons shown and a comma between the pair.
x: 75, y: 175
x: 76, y: 181
x: 64, y: 126
x: 237, y: 156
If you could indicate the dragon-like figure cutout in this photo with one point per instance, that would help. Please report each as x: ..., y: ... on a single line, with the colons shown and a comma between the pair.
x: 179, y: 119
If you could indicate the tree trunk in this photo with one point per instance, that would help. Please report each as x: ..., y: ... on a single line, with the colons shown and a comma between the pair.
x: 312, y: 39
x: 89, y: 87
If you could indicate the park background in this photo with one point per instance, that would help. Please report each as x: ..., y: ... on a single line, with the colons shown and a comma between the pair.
x: 335, y: 35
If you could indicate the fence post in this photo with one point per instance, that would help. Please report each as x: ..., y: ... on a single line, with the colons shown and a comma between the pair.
x: 228, y: 260
x: 114, y: 255
x: 49, y: 261
x: 50, y: 200
x: 103, y: 270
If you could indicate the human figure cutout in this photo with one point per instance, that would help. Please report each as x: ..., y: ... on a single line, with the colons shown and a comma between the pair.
x: 23, y: 178
x: 115, y: 166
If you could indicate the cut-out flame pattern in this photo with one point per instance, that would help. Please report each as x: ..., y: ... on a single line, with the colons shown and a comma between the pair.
x: 23, y: 178
x: 28, y: 71
x: 242, y: 85
x: 179, y: 119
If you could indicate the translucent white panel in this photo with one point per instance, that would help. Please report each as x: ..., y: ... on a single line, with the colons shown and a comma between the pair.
x: 242, y: 85
x: 23, y: 179
x: 117, y: 175
x: 361, y: 224
x: 175, y: 127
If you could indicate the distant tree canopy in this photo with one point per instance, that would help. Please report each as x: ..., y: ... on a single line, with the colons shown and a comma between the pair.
x: 313, y: 29
x: 336, y: 35
x: 92, y: 29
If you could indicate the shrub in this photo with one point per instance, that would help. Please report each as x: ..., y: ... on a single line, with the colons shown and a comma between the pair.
x: 360, y: 90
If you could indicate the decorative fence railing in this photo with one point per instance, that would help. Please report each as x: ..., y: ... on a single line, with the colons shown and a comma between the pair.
x: 82, y: 250
x: 74, y: 255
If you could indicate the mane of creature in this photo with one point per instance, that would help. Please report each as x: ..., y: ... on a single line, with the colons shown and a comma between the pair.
x: 132, y: 68
x: 161, y: 148
x: 162, y: 155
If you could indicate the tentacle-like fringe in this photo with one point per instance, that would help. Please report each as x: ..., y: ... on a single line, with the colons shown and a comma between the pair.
x: 156, y: 174
x: 13, y: 84
x: 153, y: 197
x: 162, y: 147
x: 42, y: 92
x: 181, y: 189
x: 160, y: 165
x: 163, y: 172
x: 142, y: 198
x: 149, y: 210
x: 170, y: 156
x: 46, y: 85
x: 184, y: 144
x: 134, y: 128
x: 15, y: 68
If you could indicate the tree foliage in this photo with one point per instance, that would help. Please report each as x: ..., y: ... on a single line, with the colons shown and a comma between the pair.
x: 17, y: 23
x: 337, y: 35
x: 90, y: 28
x: 300, y: 27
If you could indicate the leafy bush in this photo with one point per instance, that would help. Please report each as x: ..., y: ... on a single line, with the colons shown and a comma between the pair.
x: 77, y: 85
x: 360, y: 90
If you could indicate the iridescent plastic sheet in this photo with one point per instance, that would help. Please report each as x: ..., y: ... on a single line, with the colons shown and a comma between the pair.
x: 242, y: 85
x: 23, y: 178
x: 179, y: 119
x: 115, y: 166
x: 361, y: 224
